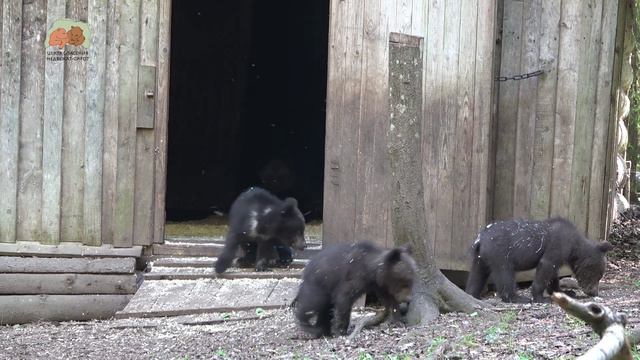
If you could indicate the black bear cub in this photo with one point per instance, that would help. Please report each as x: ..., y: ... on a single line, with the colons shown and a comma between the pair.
x: 505, y: 247
x: 338, y: 275
x: 258, y: 217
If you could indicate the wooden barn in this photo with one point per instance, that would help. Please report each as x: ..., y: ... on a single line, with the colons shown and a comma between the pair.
x: 118, y: 115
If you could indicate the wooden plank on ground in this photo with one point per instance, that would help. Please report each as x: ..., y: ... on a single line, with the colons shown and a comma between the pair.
x: 14, y: 264
x: 283, y: 293
x: 18, y: 309
x: 206, y: 262
x: 29, y: 248
x: 94, y: 127
x: 508, y: 110
x: 73, y: 137
x: 545, y: 110
x: 568, y: 69
x: 129, y: 45
x: 10, y: 117
x: 182, y: 297
x: 184, y: 273
x: 29, y: 225
x: 211, y: 250
x: 162, y: 119
x: 66, y: 284
x: 598, y: 192
x: 110, y: 126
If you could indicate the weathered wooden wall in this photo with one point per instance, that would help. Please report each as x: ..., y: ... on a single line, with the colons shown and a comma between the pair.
x: 553, y: 131
x: 459, y: 39
x: 83, y: 140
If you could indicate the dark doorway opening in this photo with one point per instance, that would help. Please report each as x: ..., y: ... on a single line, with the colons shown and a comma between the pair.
x: 247, y: 103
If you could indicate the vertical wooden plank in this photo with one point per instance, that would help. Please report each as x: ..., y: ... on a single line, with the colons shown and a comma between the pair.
x: 372, y: 200
x: 508, y: 103
x: 549, y: 33
x: 447, y: 135
x: 93, y: 131
x: 144, y: 186
x: 29, y: 225
x: 335, y: 77
x: 461, y: 232
x: 526, y: 112
x: 483, y: 100
x: 52, y: 136
x: 71, y: 220
x: 162, y: 118
x: 599, y: 183
x: 129, y: 41
x: 10, y: 117
x: 110, y: 127
x: 343, y: 118
x: 624, y: 7
x: 433, y: 103
x: 403, y: 14
x: 565, y: 107
x: 591, y: 20
x: 418, y: 17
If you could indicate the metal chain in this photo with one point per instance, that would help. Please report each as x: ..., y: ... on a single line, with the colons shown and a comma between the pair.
x: 520, y: 77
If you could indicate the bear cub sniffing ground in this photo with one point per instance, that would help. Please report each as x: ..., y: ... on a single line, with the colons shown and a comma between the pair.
x: 338, y: 275
x: 505, y: 247
x: 258, y: 217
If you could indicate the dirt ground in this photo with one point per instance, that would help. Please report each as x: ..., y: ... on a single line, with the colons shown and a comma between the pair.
x: 538, y: 331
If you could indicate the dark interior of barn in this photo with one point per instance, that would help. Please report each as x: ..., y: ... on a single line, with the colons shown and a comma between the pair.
x: 247, y: 103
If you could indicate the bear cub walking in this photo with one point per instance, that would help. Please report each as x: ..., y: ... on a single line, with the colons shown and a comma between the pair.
x: 259, y: 218
x: 338, y: 275
x: 505, y: 247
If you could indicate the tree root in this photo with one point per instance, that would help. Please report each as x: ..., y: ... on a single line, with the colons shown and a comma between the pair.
x: 606, y: 323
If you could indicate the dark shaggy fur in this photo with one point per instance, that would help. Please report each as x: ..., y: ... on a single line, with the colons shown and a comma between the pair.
x: 260, y: 218
x: 505, y: 247
x: 337, y: 276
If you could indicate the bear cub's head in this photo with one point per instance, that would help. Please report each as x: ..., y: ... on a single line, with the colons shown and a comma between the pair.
x: 396, y: 275
x: 286, y: 224
x: 589, y: 265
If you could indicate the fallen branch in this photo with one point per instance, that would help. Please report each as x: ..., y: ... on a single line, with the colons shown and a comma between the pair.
x: 607, y: 324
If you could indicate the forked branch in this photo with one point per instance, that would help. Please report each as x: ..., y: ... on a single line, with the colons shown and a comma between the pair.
x: 609, y: 325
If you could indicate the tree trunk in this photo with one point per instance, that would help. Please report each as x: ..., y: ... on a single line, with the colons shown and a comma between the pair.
x: 434, y: 293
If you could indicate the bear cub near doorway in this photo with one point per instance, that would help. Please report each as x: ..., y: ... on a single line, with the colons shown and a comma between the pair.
x: 338, y: 275
x: 259, y: 217
x: 505, y: 247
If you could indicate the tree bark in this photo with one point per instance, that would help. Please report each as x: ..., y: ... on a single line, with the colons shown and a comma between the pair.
x: 433, y: 292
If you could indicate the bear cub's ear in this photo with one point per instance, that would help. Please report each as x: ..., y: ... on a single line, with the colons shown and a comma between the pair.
x: 289, y: 205
x: 605, y: 246
x: 393, y: 256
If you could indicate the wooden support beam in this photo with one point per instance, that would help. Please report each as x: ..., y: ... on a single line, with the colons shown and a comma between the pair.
x: 30, y: 248
x: 19, y: 309
x: 65, y: 284
x: 14, y: 264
